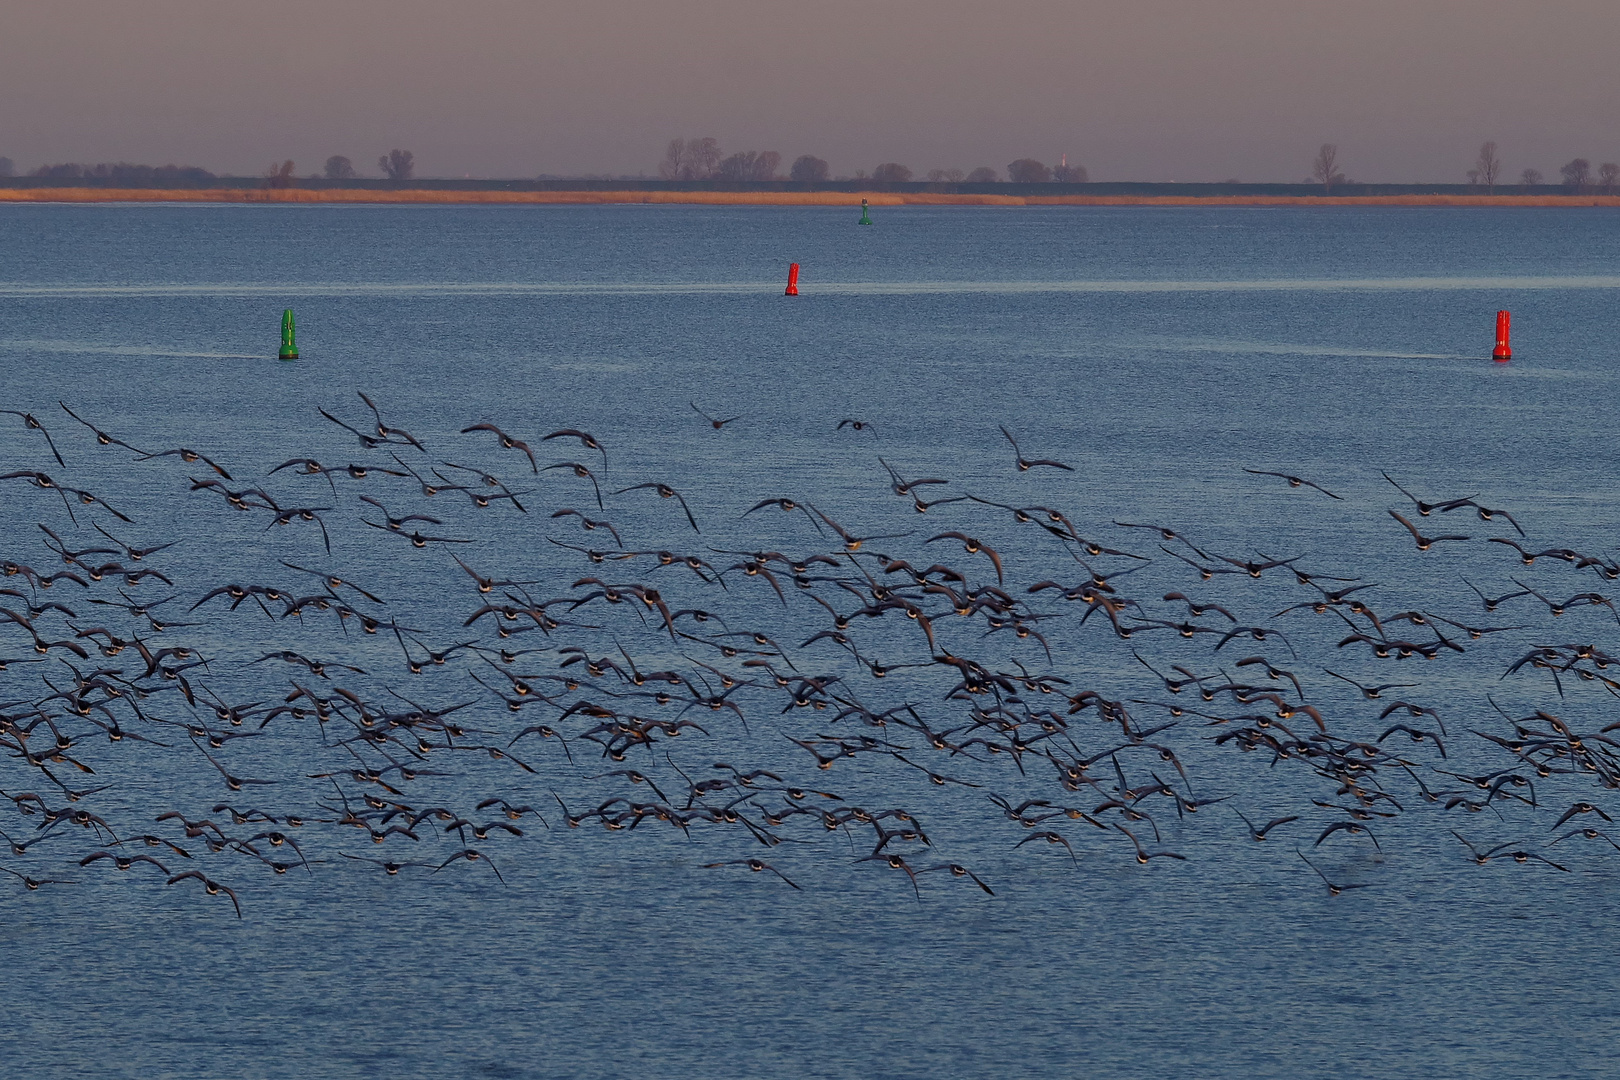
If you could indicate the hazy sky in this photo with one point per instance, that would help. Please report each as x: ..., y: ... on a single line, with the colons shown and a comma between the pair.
x: 1133, y: 89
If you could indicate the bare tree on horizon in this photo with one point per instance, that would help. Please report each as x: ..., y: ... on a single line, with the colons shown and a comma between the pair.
x: 397, y: 165
x: 749, y: 165
x: 891, y: 172
x: 670, y: 167
x: 704, y: 154
x: 1608, y: 176
x: 984, y: 174
x: 339, y: 167
x: 1487, y: 167
x: 279, y: 176
x: 1530, y: 178
x: 1325, y: 170
x: 690, y: 159
x: 1577, y: 174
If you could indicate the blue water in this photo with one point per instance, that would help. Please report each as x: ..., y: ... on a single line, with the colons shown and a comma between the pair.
x: 1158, y: 352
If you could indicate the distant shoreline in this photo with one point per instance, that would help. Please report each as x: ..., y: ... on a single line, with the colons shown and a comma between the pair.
x: 758, y: 198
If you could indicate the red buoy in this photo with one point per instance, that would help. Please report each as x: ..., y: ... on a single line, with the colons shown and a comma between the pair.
x: 1504, y: 351
x: 793, y: 280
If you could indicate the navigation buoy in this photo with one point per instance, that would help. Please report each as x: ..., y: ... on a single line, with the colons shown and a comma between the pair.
x: 289, y: 346
x: 866, y: 219
x: 1504, y: 351
x: 792, y: 289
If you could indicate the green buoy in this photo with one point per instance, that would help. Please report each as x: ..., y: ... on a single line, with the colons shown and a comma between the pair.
x: 289, y: 346
x: 866, y: 219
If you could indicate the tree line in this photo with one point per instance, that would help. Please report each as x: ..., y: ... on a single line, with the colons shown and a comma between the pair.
x: 395, y: 165
x: 702, y: 159
x: 123, y: 172
x: 1578, y: 177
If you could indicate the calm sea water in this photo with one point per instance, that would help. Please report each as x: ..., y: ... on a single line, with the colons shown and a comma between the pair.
x: 1157, y: 351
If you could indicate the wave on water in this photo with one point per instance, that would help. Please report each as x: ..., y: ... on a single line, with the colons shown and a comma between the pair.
x: 102, y: 349
x: 1249, y: 348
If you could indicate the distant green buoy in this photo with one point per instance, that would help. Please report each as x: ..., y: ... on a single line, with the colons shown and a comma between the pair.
x: 289, y: 346
x: 866, y: 219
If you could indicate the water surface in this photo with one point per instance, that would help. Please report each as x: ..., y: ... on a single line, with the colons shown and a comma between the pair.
x: 1158, y: 351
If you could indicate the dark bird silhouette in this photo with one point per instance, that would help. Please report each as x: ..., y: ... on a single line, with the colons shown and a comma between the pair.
x: 101, y: 436
x: 210, y: 886
x: 1259, y: 833
x: 190, y: 457
x: 665, y: 492
x: 1026, y: 464
x: 1293, y: 481
x: 584, y: 474
x: 901, y: 486
x: 32, y: 883
x: 1423, y: 508
x: 1334, y: 888
x: 387, y: 433
x: 1142, y: 854
x: 1528, y: 557
x: 1424, y: 543
x: 123, y: 862
x: 756, y: 865
x: 389, y: 866
x: 715, y: 423
x: 397, y: 524
x: 586, y: 439
x: 135, y: 554
x: 369, y: 442
x: 1492, y: 602
x: 507, y: 442
x: 1485, y: 512
x: 1051, y: 838
x: 851, y: 541
x: 589, y: 524
x: 1485, y: 856
x: 1416, y: 736
x: 1581, y: 808
x: 787, y: 506
x: 958, y: 870
x: 472, y: 855
x: 1355, y: 828
x: 896, y: 862
x: 34, y: 425
x: 1273, y: 673
x: 973, y: 546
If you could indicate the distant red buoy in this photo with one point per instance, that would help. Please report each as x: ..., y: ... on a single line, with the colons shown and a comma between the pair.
x: 1504, y: 351
x: 793, y: 281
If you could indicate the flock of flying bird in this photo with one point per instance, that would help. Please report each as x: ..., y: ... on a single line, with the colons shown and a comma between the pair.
x: 434, y: 661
